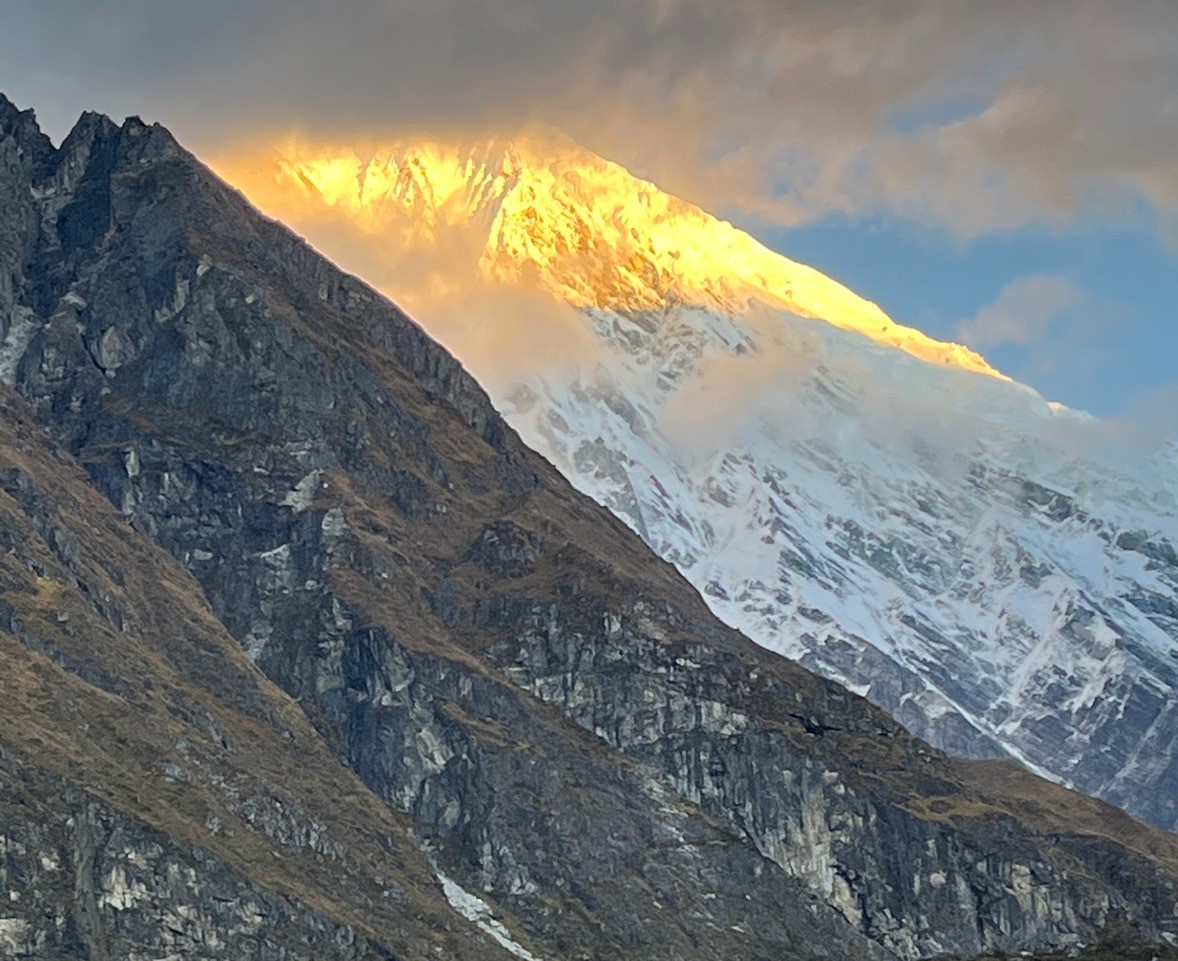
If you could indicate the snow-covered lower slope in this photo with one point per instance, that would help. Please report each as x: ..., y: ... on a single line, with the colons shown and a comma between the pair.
x: 936, y: 540
x: 997, y: 572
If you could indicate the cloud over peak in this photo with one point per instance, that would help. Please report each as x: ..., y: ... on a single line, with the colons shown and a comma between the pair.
x: 967, y: 116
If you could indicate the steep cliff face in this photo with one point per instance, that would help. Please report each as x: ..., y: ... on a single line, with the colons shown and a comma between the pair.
x: 84, y: 880
x: 158, y: 796
x: 497, y: 657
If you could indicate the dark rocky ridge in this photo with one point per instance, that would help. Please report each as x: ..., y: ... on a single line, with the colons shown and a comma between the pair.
x: 493, y: 654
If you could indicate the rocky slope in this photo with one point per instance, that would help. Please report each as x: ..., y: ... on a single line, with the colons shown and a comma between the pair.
x: 974, y: 569
x: 158, y: 796
x: 505, y: 665
x: 998, y: 573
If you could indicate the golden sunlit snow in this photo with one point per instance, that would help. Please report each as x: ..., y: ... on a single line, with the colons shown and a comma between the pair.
x: 548, y: 214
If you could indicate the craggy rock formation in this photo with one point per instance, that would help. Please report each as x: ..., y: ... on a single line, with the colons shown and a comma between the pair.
x: 158, y: 796
x: 570, y: 732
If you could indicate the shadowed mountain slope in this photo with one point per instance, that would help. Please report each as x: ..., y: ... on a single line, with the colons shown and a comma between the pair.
x: 496, y: 656
x: 157, y: 793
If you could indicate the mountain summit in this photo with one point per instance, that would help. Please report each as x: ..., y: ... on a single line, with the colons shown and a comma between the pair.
x: 998, y: 572
x: 582, y: 228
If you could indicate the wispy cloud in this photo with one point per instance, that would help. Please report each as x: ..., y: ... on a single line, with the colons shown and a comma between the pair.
x: 1024, y: 311
x: 1140, y: 435
x: 1050, y: 319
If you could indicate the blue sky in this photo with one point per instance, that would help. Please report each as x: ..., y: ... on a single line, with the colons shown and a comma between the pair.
x: 1004, y: 171
x: 1106, y: 350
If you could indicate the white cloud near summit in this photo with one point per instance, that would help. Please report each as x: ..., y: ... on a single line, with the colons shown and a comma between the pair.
x: 1054, y: 323
x: 1023, y: 311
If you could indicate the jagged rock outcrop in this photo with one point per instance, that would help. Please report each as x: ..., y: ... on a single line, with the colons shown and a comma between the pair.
x: 85, y: 881
x: 497, y: 657
x: 158, y: 796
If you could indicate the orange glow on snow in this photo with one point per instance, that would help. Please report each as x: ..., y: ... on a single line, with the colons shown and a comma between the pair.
x: 539, y: 211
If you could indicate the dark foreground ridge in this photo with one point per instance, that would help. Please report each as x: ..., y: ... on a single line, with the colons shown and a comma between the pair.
x: 404, y: 649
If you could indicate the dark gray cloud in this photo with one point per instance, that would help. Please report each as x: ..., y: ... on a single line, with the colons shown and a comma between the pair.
x: 978, y: 117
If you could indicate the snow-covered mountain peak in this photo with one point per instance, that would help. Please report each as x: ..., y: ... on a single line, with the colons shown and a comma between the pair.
x: 998, y: 572
x: 545, y: 213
